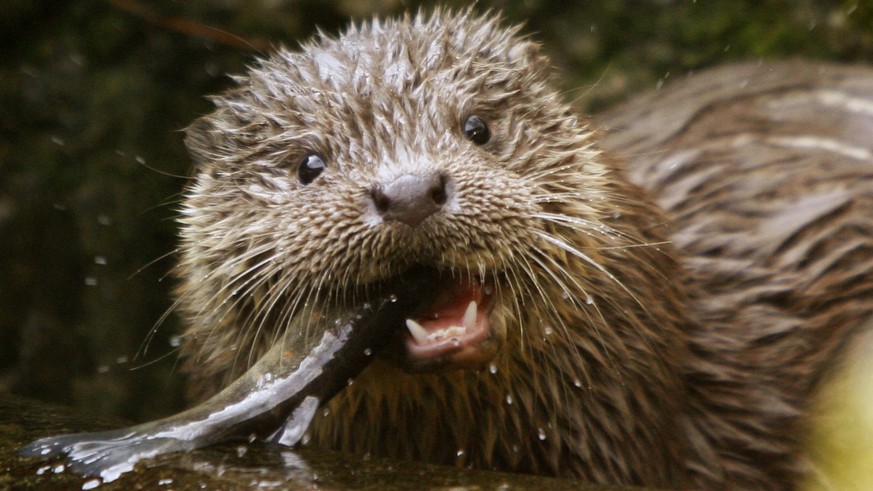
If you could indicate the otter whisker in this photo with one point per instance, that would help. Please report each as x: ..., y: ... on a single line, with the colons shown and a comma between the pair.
x: 244, y: 282
x: 585, y: 225
x: 572, y: 250
x: 580, y: 307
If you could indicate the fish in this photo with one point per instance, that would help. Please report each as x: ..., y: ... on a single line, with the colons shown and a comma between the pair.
x: 273, y: 401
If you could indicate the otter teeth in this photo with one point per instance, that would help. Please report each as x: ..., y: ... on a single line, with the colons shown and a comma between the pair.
x: 421, y: 336
x: 470, y: 316
x: 418, y: 333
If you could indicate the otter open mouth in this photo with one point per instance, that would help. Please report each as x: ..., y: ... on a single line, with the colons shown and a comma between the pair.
x: 453, y: 331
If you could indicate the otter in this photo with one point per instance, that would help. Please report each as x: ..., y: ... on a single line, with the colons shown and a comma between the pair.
x: 659, y: 322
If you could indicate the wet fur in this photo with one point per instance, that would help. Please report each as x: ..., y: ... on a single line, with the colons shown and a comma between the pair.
x: 637, y: 348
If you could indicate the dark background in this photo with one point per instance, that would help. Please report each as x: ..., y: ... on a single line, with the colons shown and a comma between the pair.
x: 94, y: 95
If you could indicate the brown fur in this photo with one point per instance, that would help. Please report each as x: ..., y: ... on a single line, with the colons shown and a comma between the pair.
x: 625, y: 358
x: 767, y: 171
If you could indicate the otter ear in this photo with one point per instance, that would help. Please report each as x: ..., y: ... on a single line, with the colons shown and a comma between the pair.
x: 201, y: 139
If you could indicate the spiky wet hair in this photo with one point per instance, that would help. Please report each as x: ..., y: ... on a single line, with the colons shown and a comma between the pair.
x: 534, y: 208
x: 384, y: 97
x: 311, y: 98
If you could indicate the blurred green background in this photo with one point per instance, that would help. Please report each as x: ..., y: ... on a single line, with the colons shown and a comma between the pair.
x: 94, y: 95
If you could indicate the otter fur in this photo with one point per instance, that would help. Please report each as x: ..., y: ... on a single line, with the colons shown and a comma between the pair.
x: 659, y: 322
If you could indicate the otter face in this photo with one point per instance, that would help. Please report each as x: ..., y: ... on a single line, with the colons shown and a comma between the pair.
x: 396, y: 145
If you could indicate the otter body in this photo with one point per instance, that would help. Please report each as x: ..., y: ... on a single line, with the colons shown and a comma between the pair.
x: 660, y: 322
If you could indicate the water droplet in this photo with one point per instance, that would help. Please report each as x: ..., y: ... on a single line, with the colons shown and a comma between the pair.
x: 350, y: 381
x: 460, y: 452
x: 91, y: 281
x: 548, y: 330
x: 392, y: 298
x: 139, y: 159
x: 589, y: 300
x: 175, y: 341
x: 42, y: 470
x: 241, y: 450
x: 325, y: 412
x: 577, y: 382
x: 91, y: 483
x: 492, y: 367
x: 368, y: 352
x: 167, y: 482
x: 101, y: 260
x: 367, y: 306
x: 565, y: 294
x: 58, y: 468
x: 509, y: 399
x: 515, y: 448
x: 305, y: 439
x: 541, y: 434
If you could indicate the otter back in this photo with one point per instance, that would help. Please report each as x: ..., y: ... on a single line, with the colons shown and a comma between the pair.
x: 767, y: 172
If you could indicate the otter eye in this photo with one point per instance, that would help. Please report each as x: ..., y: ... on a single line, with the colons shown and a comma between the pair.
x: 310, y: 167
x: 476, y: 130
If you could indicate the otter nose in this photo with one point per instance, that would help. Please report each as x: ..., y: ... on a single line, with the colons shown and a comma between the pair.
x: 410, y: 199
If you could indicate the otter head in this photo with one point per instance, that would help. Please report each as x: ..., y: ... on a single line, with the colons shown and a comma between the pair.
x: 432, y: 142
